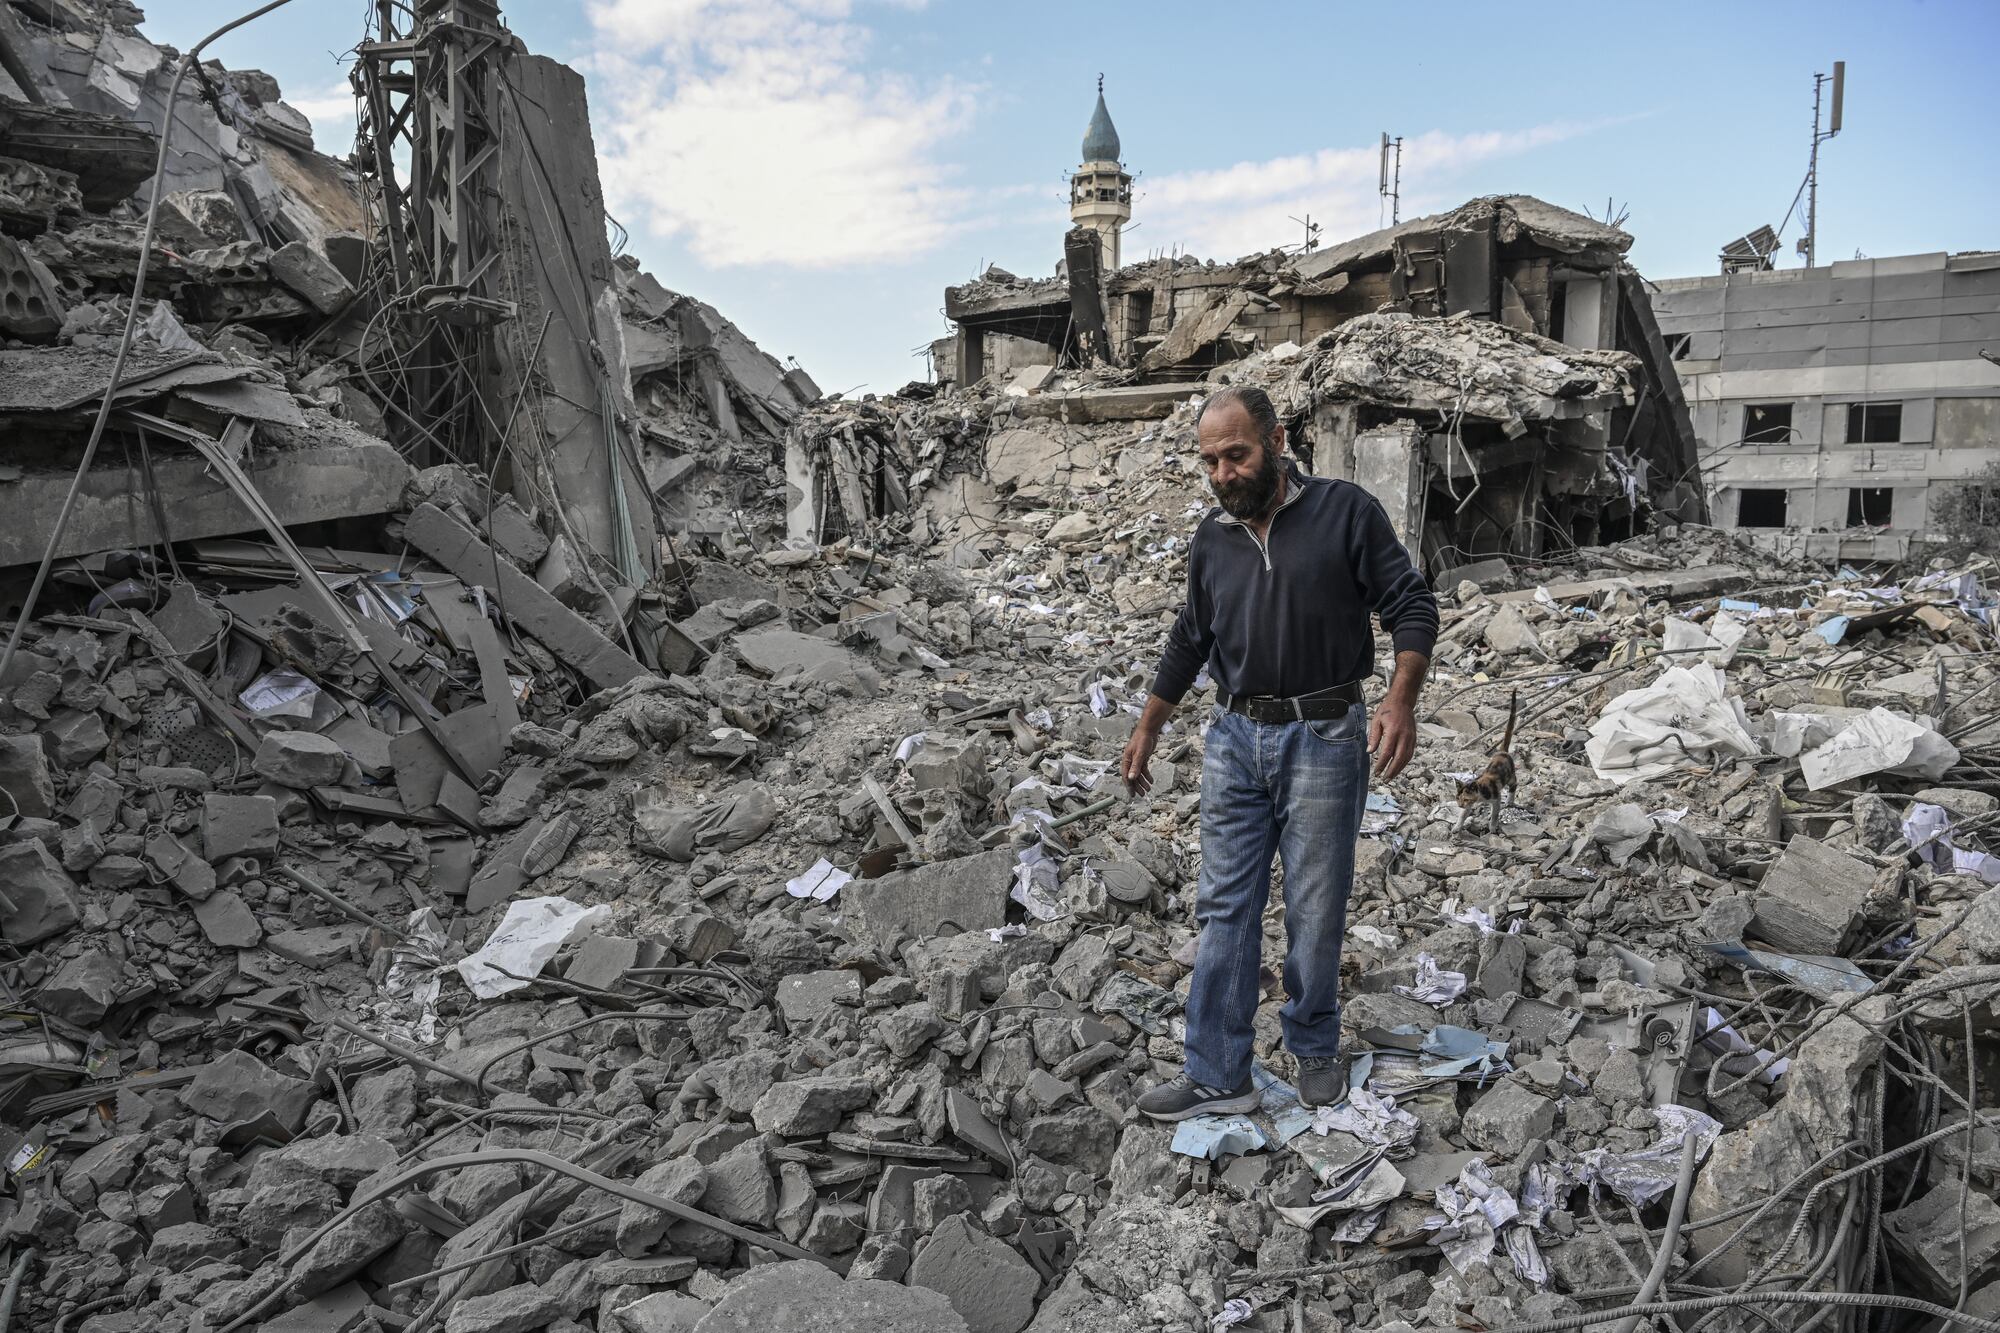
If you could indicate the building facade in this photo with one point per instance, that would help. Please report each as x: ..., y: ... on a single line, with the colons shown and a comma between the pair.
x: 1831, y: 402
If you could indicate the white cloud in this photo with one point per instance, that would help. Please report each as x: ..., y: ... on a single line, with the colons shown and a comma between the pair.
x: 1241, y: 209
x: 752, y: 129
x: 332, y: 115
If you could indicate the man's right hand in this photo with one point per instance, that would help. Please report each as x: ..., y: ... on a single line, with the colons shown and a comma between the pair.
x: 1139, y: 750
x: 1138, y: 754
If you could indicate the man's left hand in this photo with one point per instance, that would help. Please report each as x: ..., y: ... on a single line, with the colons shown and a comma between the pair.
x: 1392, y: 737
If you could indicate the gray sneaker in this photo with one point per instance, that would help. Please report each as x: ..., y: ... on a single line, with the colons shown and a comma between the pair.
x: 1181, y: 1098
x: 1322, y: 1080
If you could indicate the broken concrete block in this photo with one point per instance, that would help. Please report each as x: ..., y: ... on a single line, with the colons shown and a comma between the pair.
x: 301, y: 267
x: 563, y: 632
x: 227, y: 921
x: 986, y: 1280
x: 809, y: 1105
x: 661, y: 1312
x: 836, y: 1227
x: 682, y: 1179
x: 509, y: 528
x: 560, y: 572
x: 320, y: 947
x: 804, y: 1295
x: 939, y: 1198
x: 30, y: 306
x: 238, y: 1086
x: 300, y: 759
x: 38, y: 901
x: 1927, y: 1235
x: 238, y: 826
x: 349, y: 1248
x: 1509, y: 1118
x: 804, y: 998
x: 1508, y: 633
x: 83, y: 989
x: 940, y: 897
x: 740, y: 1187
x: 179, y: 1247
x: 806, y: 659
x: 76, y: 737
x: 1811, y: 901
x: 26, y: 788
x: 189, y: 873
x: 908, y: 1030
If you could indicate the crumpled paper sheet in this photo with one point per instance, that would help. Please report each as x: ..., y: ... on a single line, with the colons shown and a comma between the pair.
x: 820, y: 882
x: 1687, y: 714
x: 1379, y: 1186
x: 1434, y: 985
x: 1373, y: 1119
x: 1927, y: 828
x: 531, y: 933
x: 1648, y: 1174
x: 1878, y: 741
x: 1217, y: 1136
x: 1470, y: 1215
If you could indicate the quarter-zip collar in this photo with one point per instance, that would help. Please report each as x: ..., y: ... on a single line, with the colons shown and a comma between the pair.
x: 1295, y: 485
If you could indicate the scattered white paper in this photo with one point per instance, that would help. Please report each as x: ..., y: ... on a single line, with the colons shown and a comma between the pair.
x: 1435, y: 985
x: 819, y: 883
x: 908, y: 746
x: 531, y: 933
x: 1686, y: 716
x: 1233, y: 1312
x: 280, y: 693
x: 1879, y: 741
x: 1037, y: 886
x: 1927, y: 828
x: 1375, y: 1120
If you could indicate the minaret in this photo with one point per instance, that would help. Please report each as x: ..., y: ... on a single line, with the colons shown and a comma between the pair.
x: 1100, y: 193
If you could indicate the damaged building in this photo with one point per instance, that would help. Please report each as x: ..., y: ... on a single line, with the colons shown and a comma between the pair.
x: 1581, y: 466
x: 518, y: 813
x: 1831, y: 403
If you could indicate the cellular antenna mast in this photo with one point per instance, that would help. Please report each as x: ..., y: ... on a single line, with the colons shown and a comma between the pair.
x: 1809, y: 245
x: 1391, y: 186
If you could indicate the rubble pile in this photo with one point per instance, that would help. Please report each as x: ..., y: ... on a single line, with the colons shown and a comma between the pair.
x: 409, y: 925
x: 840, y: 948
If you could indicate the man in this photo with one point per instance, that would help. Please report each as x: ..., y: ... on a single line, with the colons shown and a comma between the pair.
x: 1281, y: 581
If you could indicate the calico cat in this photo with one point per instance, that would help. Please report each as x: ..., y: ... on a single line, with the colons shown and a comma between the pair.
x: 1498, y: 775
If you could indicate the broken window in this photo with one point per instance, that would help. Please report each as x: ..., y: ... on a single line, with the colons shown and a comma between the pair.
x: 1870, y: 506
x: 1679, y: 347
x: 1760, y: 508
x: 1767, y: 423
x: 1874, y: 423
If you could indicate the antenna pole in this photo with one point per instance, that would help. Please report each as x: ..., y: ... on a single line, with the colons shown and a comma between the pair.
x: 1838, y: 79
x: 1396, y: 186
x: 1812, y: 179
x: 1390, y: 186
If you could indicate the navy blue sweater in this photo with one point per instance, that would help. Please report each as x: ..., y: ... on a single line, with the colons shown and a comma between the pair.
x: 1289, y: 616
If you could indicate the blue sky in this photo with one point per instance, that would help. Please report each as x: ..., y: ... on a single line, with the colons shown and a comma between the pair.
x: 821, y: 169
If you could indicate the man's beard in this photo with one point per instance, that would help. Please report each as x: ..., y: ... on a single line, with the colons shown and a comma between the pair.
x: 1250, y: 498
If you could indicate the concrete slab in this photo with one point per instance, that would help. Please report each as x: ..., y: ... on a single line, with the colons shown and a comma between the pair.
x: 562, y: 631
x: 1132, y: 402
x: 340, y: 480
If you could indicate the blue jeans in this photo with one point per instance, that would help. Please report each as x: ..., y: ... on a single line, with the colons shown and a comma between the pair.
x: 1296, y: 789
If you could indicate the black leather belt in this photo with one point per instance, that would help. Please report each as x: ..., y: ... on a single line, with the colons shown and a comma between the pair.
x: 1318, y: 706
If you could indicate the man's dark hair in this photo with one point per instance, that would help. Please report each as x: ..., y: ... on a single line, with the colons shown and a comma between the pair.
x: 1252, y: 400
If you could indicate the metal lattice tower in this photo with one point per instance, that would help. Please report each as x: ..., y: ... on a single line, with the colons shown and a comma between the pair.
x: 430, y: 147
